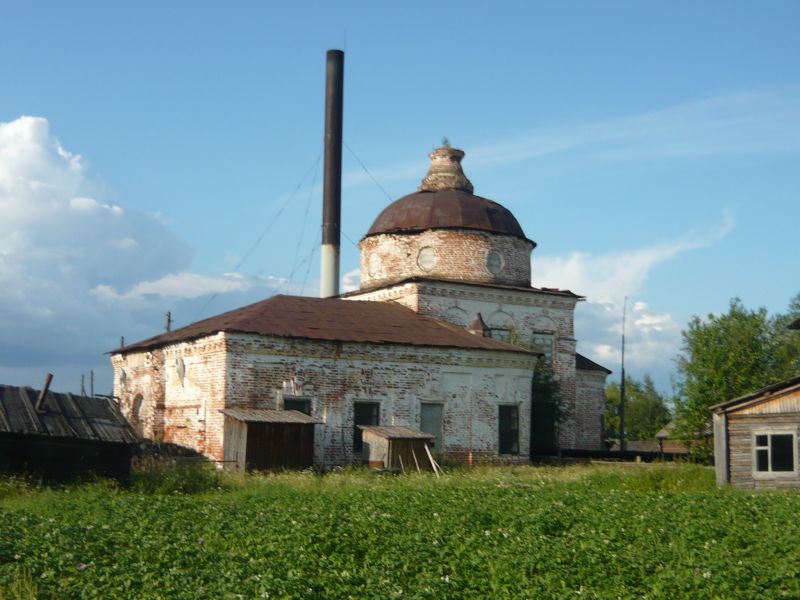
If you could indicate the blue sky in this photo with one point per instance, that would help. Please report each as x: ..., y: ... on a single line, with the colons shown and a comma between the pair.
x: 164, y: 156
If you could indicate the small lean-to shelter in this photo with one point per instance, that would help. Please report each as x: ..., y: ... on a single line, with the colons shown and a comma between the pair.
x: 395, y: 447
x: 756, y: 438
x: 268, y: 440
x: 59, y: 436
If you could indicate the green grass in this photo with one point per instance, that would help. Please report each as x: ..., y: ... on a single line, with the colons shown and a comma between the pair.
x: 516, y: 532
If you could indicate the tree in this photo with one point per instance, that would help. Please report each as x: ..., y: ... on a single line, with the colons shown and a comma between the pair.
x: 730, y: 355
x: 547, y: 411
x: 646, y: 409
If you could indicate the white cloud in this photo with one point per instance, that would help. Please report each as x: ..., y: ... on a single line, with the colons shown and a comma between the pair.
x: 606, y: 278
x: 351, y: 280
x: 70, y: 259
x: 652, y: 336
x: 740, y: 123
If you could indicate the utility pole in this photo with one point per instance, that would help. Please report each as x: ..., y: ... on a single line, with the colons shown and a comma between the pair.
x: 622, y: 384
x: 91, y: 382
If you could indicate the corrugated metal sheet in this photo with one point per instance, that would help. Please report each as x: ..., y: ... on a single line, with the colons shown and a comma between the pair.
x: 396, y: 432
x: 252, y: 415
x: 331, y: 319
x: 64, y: 416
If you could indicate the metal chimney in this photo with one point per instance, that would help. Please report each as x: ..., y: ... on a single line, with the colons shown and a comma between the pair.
x: 332, y: 184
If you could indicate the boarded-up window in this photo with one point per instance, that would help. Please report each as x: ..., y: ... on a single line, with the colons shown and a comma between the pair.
x: 364, y: 413
x: 542, y: 341
x: 302, y: 405
x: 775, y: 452
x: 509, y: 429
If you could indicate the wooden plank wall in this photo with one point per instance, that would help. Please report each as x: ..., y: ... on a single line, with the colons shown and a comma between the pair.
x: 740, y: 448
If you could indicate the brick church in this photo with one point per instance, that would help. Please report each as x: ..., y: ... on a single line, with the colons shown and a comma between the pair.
x: 442, y: 337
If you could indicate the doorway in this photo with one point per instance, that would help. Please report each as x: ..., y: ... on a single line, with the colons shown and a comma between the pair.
x: 431, y: 422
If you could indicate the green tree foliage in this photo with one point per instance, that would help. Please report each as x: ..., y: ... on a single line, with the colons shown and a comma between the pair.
x: 730, y: 355
x: 547, y: 411
x: 646, y: 409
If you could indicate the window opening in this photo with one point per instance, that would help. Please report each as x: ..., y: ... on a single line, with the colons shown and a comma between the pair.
x: 364, y: 413
x: 775, y: 452
x: 509, y: 429
x: 302, y: 405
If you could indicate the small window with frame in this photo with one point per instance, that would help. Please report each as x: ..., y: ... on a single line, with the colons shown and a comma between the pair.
x: 508, y: 429
x: 774, y: 453
x: 302, y: 405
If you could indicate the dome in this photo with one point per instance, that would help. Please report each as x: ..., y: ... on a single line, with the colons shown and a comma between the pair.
x: 445, y: 201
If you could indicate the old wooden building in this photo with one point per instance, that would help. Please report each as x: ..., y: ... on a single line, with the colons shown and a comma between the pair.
x: 64, y: 436
x: 756, y: 438
x: 395, y: 447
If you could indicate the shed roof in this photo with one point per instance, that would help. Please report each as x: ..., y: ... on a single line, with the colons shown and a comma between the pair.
x: 396, y: 432
x: 331, y: 319
x: 581, y: 362
x: 63, y: 416
x: 762, y: 395
x: 256, y: 415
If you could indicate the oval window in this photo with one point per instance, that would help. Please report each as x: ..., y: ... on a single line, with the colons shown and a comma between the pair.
x: 494, y: 262
x: 426, y: 259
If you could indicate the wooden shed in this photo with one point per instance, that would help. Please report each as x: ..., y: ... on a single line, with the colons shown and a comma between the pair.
x: 260, y: 439
x: 395, y: 447
x: 69, y: 436
x: 756, y: 438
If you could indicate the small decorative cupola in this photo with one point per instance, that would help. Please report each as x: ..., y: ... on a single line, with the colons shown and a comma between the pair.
x: 445, y: 172
x: 478, y: 326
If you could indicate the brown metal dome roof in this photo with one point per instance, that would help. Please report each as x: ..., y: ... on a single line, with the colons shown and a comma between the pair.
x: 445, y: 201
x: 445, y: 209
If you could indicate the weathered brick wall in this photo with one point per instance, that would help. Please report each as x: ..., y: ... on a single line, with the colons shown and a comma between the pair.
x: 528, y: 313
x: 333, y: 375
x: 250, y: 371
x: 591, y: 401
x: 179, y: 409
x: 459, y: 255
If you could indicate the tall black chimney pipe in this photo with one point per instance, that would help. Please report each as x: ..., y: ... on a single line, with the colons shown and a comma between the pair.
x: 332, y: 184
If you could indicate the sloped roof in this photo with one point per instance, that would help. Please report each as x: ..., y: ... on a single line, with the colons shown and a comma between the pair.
x: 581, y: 362
x: 253, y: 415
x: 500, y: 286
x: 331, y: 319
x: 396, y: 432
x: 63, y: 416
x: 763, y: 394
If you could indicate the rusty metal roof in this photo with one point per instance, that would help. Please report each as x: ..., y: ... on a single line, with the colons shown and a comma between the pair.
x: 418, y: 279
x: 331, y: 319
x: 396, y: 432
x: 581, y: 362
x: 256, y: 415
x: 446, y: 209
x: 63, y: 416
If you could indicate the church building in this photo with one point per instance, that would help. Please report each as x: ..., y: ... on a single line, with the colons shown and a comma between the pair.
x: 443, y: 336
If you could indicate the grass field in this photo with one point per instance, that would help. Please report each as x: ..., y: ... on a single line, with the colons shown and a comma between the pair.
x: 523, y: 532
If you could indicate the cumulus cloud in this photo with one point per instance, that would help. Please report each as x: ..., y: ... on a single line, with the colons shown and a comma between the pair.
x: 78, y: 270
x: 351, y: 280
x: 652, y: 336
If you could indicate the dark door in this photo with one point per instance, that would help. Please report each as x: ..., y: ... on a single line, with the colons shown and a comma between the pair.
x: 431, y: 422
x: 364, y: 413
x: 272, y: 446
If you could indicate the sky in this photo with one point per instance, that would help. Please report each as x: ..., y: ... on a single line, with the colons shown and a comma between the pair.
x: 166, y: 156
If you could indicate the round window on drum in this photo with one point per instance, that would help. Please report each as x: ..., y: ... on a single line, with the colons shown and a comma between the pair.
x: 426, y: 259
x: 494, y: 262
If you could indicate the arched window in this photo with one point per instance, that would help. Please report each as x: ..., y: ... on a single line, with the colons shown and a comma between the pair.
x: 501, y: 326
